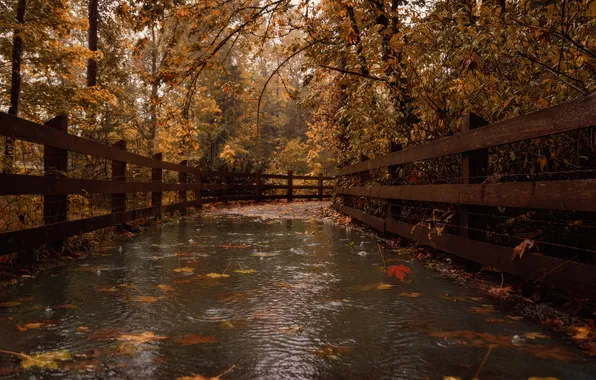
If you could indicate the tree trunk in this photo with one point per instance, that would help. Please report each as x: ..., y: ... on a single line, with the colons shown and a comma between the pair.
x: 15, y: 83
x: 92, y: 43
x: 154, y: 87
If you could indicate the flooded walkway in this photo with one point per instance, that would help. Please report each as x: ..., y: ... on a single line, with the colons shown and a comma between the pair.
x: 272, y: 298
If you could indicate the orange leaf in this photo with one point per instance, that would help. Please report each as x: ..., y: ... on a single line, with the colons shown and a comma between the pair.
x: 399, y: 271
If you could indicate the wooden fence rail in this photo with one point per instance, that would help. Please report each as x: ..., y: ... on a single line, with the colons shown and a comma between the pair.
x: 474, y: 194
x: 55, y: 186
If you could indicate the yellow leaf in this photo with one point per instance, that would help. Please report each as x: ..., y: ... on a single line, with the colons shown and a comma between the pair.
x: 535, y: 335
x: 384, y: 286
x: 184, y: 270
x: 165, y: 288
x: 144, y: 337
x: 45, y: 359
x: 410, y: 295
x: 217, y: 275
x: 145, y: 299
x: 245, y: 271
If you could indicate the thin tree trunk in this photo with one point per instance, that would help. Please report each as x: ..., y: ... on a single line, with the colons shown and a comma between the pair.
x: 154, y: 87
x: 15, y: 84
x: 92, y: 43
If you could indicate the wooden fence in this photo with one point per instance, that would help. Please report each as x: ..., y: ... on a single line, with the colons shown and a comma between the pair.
x: 474, y: 191
x: 55, y: 186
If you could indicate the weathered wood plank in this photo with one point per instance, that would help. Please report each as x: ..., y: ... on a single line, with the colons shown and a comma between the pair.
x: 14, y: 184
x: 22, y: 129
x: 577, y: 114
x: 576, y: 195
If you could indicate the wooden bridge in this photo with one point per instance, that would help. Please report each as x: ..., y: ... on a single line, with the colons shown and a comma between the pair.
x: 470, y: 198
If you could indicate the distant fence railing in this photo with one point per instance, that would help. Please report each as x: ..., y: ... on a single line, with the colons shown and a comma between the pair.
x: 473, y: 194
x: 55, y: 186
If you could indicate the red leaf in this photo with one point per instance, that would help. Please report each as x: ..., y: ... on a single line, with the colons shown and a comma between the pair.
x: 399, y: 271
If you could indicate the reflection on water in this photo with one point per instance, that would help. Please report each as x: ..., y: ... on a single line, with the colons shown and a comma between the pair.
x: 292, y: 299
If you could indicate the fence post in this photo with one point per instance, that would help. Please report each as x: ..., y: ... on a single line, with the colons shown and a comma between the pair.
x: 182, y: 179
x: 55, y: 163
x: 119, y: 174
x: 321, y: 186
x: 290, y: 186
x: 198, y: 193
x: 474, y: 170
x: 258, y: 187
x: 157, y: 177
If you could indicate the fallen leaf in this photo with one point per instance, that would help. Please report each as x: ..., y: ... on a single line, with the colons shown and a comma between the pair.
x: 166, y: 288
x: 484, y: 309
x: 384, y: 286
x: 184, y: 270
x: 259, y: 254
x: 495, y: 320
x: 535, y: 335
x: 145, y: 299
x: 514, y: 317
x: 410, y: 295
x: 399, y: 271
x: 228, y: 325
x: 144, y: 337
x: 188, y: 340
x: 45, y: 359
x: 245, y: 271
x: 542, y: 378
x: 82, y: 329
x: 502, y: 291
x: 200, y: 377
x: 234, y: 246
x: 217, y: 275
x: 522, y: 248
x: 10, y: 304
x: 579, y: 332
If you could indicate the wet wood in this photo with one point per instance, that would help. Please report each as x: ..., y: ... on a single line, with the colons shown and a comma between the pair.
x: 575, y: 195
x: 574, y: 115
x: 55, y: 163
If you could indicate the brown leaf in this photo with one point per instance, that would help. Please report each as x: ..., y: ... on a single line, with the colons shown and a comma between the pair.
x: 188, y: 340
x: 522, y: 248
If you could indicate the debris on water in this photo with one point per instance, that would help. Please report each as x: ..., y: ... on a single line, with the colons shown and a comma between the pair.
x: 517, y: 340
x: 120, y: 249
x: 362, y: 253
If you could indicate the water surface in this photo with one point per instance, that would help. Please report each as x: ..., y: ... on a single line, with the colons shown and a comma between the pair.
x: 317, y: 307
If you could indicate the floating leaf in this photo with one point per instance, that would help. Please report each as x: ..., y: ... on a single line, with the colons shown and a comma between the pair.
x: 384, y: 286
x: 217, y: 275
x: 144, y: 337
x: 145, y: 299
x: 184, y: 270
x: 166, y: 288
x: 82, y: 329
x: 495, y: 320
x: 484, y: 309
x: 580, y: 332
x: 410, y: 295
x: 245, y: 271
x: 228, y: 325
x: 535, y: 335
x: 45, y: 359
x: 200, y: 377
x: 234, y: 246
x: 10, y: 304
x: 514, y: 317
x: 259, y: 254
x: 542, y: 378
x: 188, y: 340
x: 399, y: 271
